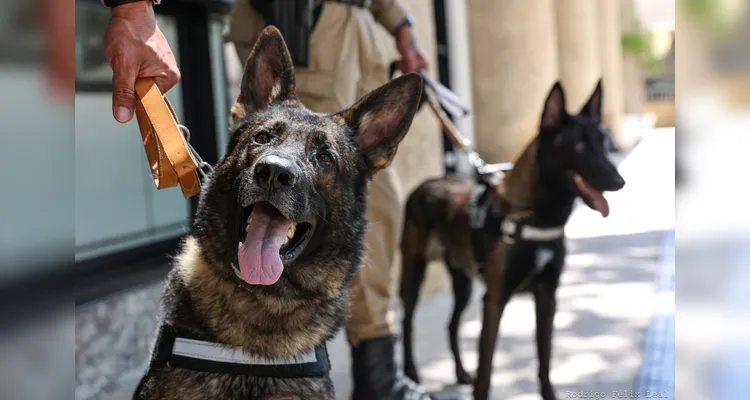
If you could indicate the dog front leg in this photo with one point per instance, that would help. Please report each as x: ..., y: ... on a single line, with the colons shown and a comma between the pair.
x: 495, y: 298
x: 493, y: 311
x: 546, y: 305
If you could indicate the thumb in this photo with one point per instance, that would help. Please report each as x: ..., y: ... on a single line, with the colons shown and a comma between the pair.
x: 123, y: 90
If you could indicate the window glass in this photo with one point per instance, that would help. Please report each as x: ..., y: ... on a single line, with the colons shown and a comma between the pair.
x: 117, y: 205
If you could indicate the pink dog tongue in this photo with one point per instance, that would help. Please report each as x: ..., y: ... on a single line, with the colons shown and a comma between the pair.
x: 598, y: 202
x: 259, y: 259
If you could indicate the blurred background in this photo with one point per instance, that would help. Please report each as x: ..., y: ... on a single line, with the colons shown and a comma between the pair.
x: 85, y: 238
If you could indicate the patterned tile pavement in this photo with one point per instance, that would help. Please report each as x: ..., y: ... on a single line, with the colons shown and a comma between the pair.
x: 657, y: 377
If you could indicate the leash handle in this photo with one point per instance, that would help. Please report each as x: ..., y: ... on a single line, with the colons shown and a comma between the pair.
x: 169, y: 155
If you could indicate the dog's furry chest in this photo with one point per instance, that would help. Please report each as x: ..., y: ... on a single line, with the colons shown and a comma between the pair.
x: 533, y: 263
x: 201, y: 305
x: 176, y: 383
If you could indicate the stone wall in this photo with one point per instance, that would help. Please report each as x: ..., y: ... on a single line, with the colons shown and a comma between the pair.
x: 113, y: 340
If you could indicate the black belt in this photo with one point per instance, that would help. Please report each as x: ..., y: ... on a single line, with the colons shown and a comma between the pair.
x: 356, y: 3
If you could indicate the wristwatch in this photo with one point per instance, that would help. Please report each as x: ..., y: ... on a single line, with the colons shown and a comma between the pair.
x: 408, y: 21
x: 115, y: 3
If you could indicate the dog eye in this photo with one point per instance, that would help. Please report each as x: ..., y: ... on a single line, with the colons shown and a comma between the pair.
x: 579, y: 147
x: 325, y: 159
x: 262, y: 138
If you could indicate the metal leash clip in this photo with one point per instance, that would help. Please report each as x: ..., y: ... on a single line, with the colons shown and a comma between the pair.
x: 202, y: 165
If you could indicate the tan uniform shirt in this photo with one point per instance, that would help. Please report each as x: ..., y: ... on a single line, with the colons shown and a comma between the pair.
x: 389, y: 13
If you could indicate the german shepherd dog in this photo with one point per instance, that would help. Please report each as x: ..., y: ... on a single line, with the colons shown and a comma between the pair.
x: 276, y: 239
x: 566, y: 160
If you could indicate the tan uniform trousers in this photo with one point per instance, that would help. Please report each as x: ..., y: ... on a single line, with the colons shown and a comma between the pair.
x: 346, y: 63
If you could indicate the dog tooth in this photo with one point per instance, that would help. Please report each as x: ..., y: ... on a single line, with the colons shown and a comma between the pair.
x: 290, y: 232
x: 286, y: 241
x: 247, y: 228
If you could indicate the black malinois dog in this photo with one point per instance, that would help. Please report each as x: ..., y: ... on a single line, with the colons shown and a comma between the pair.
x: 521, y: 246
x: 262, y: 280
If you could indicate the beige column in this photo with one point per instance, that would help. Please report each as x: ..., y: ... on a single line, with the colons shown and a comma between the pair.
x: 634, y: 90
x: 514, y: 64
x: 610, y: 34
x: 579, y: 49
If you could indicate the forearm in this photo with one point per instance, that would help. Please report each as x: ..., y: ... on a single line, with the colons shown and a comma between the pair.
x: 391, y: 14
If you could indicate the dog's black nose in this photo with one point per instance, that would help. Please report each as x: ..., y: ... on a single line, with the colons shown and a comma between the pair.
x: 618, y: 183
x: 274, y: 171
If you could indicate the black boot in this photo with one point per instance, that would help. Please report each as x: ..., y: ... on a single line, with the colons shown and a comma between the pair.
x: 376, y: 376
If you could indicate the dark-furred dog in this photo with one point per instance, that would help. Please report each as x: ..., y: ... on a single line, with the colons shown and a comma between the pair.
x: 262, y: 281
x: 518, y: 246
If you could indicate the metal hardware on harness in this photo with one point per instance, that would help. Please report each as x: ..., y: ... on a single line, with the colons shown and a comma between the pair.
x: 201, y: 164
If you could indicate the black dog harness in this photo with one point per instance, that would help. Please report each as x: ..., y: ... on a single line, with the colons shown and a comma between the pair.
x: 484, y: 223
x: 179, y: 350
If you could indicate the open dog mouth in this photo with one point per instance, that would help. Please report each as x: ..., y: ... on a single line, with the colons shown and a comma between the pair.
x: 592, y: 197
x: 268, y: 240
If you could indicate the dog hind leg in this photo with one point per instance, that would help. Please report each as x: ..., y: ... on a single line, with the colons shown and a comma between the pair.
x: 413, y: 247
x: 462, y: 285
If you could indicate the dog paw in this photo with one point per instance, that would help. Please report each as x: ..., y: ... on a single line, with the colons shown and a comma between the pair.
x: 411, y: 373
x: 548, y: 393
x: 463, y: 378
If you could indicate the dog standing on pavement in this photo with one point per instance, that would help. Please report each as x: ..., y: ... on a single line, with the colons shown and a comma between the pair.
x: 509, y: 232
x: 262, y: 280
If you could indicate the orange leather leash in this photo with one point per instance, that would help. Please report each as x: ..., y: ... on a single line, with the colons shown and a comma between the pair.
x: 172, y: 159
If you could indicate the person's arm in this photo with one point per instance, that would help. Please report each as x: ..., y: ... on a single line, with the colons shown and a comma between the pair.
x: 136, y: 48
x: 396, y: 19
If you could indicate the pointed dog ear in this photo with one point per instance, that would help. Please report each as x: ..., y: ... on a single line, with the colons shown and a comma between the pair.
x: 593, y: 107
x: 382, y: 118
x: 268, y: 75
x: 553, y: 113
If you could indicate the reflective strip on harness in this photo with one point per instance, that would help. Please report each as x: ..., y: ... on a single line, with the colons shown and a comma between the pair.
x: 181, y: 349
x: 218, y: 352
x: 531, y: 233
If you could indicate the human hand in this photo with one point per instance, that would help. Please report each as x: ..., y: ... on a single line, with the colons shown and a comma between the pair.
x: 136, y: 48
x: 412, y: 57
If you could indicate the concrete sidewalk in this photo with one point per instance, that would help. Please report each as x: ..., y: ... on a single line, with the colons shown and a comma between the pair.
x: 605, y: 302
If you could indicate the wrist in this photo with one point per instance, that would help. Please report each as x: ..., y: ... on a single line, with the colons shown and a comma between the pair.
x: 404, y: 26
x: 137, y: 10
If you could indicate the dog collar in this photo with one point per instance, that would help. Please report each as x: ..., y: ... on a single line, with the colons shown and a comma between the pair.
x: 180, y: 350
